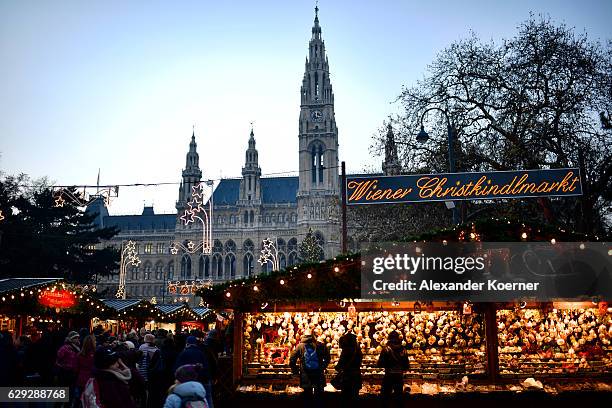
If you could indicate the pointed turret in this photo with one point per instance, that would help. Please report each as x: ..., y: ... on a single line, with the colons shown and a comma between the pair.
x: 191, y: 174
x: 250, y: 185
x: 391, y: 166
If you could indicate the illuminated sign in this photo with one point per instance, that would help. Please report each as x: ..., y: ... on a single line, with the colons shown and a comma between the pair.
x: 58, y: 299
x: 188, y: 287
x: 462, y: 186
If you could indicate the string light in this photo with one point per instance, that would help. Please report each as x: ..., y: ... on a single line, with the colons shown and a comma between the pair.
x: 282, y: 282
x: 336, y: 269
x: 524, y: 235
x: 1, y: 216
x: 553, y: 241
x: 309, y: 276
x: 255, y: 288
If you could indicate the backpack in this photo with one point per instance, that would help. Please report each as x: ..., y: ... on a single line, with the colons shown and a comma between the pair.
x: 157, y: 365
x: 143, y: 366
x: 311, y: 358
x: 90, y: 398
x: 192, y: 402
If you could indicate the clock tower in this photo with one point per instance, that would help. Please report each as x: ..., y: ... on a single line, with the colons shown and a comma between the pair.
x: 319, y: 189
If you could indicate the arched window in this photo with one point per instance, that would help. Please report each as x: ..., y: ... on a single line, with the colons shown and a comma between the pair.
x: 282, y: 261
x: 159, y: 270
x: 246, y: 217
x: 273, y: 217
x: 186, y: 267
x: 247, y: 264
x: 292, y: 258
x: 252, y: 217
x: 147, y: 270
x: 292, y: 244
x: 230, y: 266
x: 230, y: 246
x: 171, y: 270
x: 280, y: 245
x: 217, y: 246
x: 217, y: 266
x: 248, y: 246
x: 134, y: 273
x: 203, y: 267
x: 316, y: 152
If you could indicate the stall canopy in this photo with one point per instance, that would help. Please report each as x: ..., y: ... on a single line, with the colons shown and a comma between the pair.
x: 177, y: 312
x: 202, y: 311
x: 18, y: 284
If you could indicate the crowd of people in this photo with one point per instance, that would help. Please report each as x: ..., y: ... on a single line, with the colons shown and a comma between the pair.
x: 137, y: 369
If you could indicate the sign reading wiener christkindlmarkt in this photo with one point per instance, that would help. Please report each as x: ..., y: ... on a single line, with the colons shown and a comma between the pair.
x: 462, y: 186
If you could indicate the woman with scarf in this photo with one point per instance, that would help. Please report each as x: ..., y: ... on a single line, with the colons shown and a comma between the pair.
x: 110, y: 385
x: 394, y: 359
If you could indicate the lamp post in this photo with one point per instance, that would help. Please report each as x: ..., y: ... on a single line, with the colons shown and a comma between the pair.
x: 422, y: 137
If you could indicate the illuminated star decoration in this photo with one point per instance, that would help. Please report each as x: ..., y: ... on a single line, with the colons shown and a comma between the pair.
x: 174, y: 249
x: 191, y: 245
x: 269, y: 253
x: 59, y: 201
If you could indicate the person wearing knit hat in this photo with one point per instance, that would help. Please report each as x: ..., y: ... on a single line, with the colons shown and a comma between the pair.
x: 187, y: 388
x: 66, y: 360
x: 113, y: 380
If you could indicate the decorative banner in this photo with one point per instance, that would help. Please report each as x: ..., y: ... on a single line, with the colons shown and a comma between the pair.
x: 462, y: 186
x: 61, y: 299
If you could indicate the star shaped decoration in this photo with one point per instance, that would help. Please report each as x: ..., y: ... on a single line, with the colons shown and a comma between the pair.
x: 267, y: 242
x: 1, y: 216
x: 262, y: 260
x: 191, y: 245
x: 187, y: 217
x: 59, y: 201
x: 174, y: 249
x: 195, y: 206
x: 136, y: 262
x: 266, y: 252
x: 130, y: 246
x: 197, y: 190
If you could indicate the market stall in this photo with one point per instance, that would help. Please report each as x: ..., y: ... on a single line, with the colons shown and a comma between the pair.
x: 453, y: 347
x: 29, y: 305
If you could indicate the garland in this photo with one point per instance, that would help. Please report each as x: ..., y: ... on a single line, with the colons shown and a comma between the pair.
x: 340, y: 278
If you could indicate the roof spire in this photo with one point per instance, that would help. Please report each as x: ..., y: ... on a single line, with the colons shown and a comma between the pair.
x: 193, y: 131
x: 316, y: 29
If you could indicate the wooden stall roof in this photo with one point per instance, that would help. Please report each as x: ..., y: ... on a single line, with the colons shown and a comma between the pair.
x: 11, y: 284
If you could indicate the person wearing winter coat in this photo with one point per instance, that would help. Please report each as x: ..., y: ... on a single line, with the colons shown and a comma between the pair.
x: 112, y: 382
x: 193, y: 354
x: 147, y: 348
x: 186, y: 388
x: 161, y: 372
x: 313, y: 360
x: 85, y: 362
x: 349, y: 365
x: 66, y: 362
x: 394, y: 359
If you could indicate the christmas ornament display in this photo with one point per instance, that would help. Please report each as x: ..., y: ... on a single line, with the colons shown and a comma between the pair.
x: 440, y: 343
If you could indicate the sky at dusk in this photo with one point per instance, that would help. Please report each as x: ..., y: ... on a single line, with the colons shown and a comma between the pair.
x: 118, y: 85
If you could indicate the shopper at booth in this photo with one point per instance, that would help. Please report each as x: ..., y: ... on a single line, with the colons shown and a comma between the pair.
x: 349, y: 368
x: 394, y: 359
x: 313, y: 360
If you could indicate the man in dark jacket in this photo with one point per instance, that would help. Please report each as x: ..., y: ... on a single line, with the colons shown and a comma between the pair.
x: 394, y: 359
x: 314, y: 358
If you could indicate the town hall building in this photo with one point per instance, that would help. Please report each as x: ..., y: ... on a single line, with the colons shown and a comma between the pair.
x: 249, y: 209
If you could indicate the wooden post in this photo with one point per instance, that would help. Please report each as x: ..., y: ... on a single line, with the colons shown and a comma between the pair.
x: 344, y: 233
x: 492, y: 341
x: 237, y: 352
